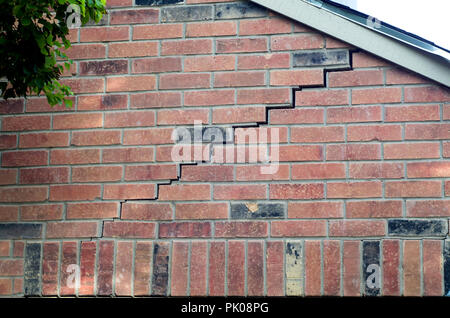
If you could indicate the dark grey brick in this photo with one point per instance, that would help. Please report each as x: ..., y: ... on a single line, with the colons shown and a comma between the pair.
x: 417, y: 227
x: 160, y: 279
x: 156, y: 2
x: 371, y: 268
x: 18, y: 231
x: 104, y: 67
x: 447, y: 268
x: 338, y: 58
x: 217, y: 135
x: 32, y: 269
x: 239, y: 10
x: 189, y: 13
x: 257, y: 210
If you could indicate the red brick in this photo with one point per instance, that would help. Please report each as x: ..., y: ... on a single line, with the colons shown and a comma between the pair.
x: 94, y: 138
x: 184, y: 230
x: 12, y: 106
x: 265, y: 26
x: 146, y: 211
x: 376, y: 170
x: 216, y: 269
x: 124, y: 268
x: 159, y: 31
x: 264, y: 96
x: 132, y: 16
x: 296, y: 191
x: 85, y: 85
x: 411, y: 268
x: 96, y: 174
x: 256, y: 173
x: 74, y: 192
x: 179, y: 270
x: 209, y: 98
x: 429, y: 208
x: 354, y: 152
x: 150, y: 172
x: 181, y: 81
x: 315, y: 210
x: 412, y: 113
x: 313, y: 261
x: 71, y: 229
x: 74, y: 156
x: 101, y: 210
x: 50, y: 265
x: 133, y: 49
x: 120, y: 155
x: 77, y: 121
x: 321, y: 98
x: 261, y: 135
x: 211, y: 29
x: 23, y: 194
x: 376, y: 95
x: 186, y: 192
x: 241, y: 229
x: 239, y: 115
x: 351, y: 262
x: 196, y: 211
x: 296, y: 78
x: 186, y: 47
x: 296, y: 153
x: 355, y: 78
x: 8, y: 176
x: 87, y: 268
x: 297, y: 42
x: 130, y: 119
x: 298, y: 228
x: 86, y: 51
x: 432, y: 268
x: 9, y: 213
x: 428, y: 169
x: 446, y: 112
x: 354, y: 114
x: 391, y: 263
x: 427, y: 131
x: 412, y: 150
x: 198, y: 269
x: 105, y: 34
x: 122, y: 229
x: 18, y: 249
x: 374, y: 133
x: 369, y: 189
x: 21, y: 123
x: 296, y: 116
x: 44, y: 140
x: 275, y: 268
x: 317, y: 134
x: 68, y: 259
x: 187, y: 153
x: 374, y: 209
x: 41, y: 105
x: 357, y: 228
x: 361, y: 60
x: 182, y: 117
x: 426, y: 94
x: 156, y: 65
x: 239, y: 79
x: 105, y: 268
x: 209, y: 63
x: 318, y: 171
x: 41, y: 212
x: 131, y: 83
x: 241, y: 45
x: 155, y: 136
x: 239, y: 154
x: 332, y: 43
x: 8, y: 141
x: 4, y: 248
x: 6, y: 286
x: 331, y: 268
x: 143, y: 268
x: 407, y: 189
x: 236, y: 268
x: 207, y: 173
x: 266, y: 61
x: 255, y: 268
x: 446, y: 149
x: 11, y: 267
x: 239, y: 192
x: 129, y: 191
x: 155, y: 100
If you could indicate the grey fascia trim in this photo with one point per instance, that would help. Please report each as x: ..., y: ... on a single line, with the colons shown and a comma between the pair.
x: 398, y: 52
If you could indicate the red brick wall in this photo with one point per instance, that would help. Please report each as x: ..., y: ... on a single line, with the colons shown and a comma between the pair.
x: 363, y: 178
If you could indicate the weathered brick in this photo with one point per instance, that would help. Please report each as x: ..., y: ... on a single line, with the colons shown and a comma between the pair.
x: 428, y: 208
x: 298, y: 228
x: 315, y: 210
x: 318, y: 134
x: 156, y: 65
x: 11, y: 267
x: 294, y: 268
x: 105, y: 268
x: 241, y: 45
x: 266, y: 61
x: 8, y: 176
x: 198, y: 270
x: 373, y: 209
x: 122, y: 229
x: 9, y: 213
x: 427, y: 131
x: 296, y: 78
x: 255, y: 268
x: 236, y: 268
x: 216, y: 268
x: 103, y: 67
x: 143, y: 268
x: 121, y: 155
x: 188, y: 13
x: 227, y: 28
x: 318, y: 171
x: 180, y: 81
x: 207, y: 173
x: 23, y: 194
x: 407, y: 189
x: 77, y: 121
x: 331, y: 268
x: 85, y: 85
x: 368, y: 189
x: 428, y: 169
x: 184, y: 192
x: 296, y: 191
x: 8, y: 141
x: 235, y: 229
x: 132, y: 49
x: 182, y: 117
x: 158, y: 31
x: 71, y: 229
x: 74, y: 156
x: 74, y: 192
x: 105, y: 34
x: 257, y: 210
x: 342, y: 228
x: 44, y: 140
x: 68, y: 260
x: 155, y: 136
x: 432, y: 267
x: 399, y: 227
x: 351, y: 152
x: 354, y: 114
x: 425, y: 150
x: 263, y: 96
x: 41, y: 212
x: 179, y: 270
x: 335, y: 58
x: 296, y: 116
x: 101, y: 210
x: 274, y: 268
x: 296, y: 153
x: 374, y: 133
x: 44, y: 175
x: 239, y: 10
x: 123, y: 268
x: 411, y: 268
x: 94, y: 138
x: 383, y: 170
x: 87, y: 268
x: 239, y: 79
x: 313, y: 264
x: 50, y: 265
x: 4, y: 248
x: 185, y: 230
x: 32, y: 269
x: 209, y: 63
x: 355, y: 78
x: 400, y: 76
x: 129, y: 191
x: 363, y: 60
x: 239, y: 115
x: 239, y: 192
x: 21, y: 123
x: 257, y: 173
x: 412, y: 113
x: 17, y: 231
x: 150, y: 172
x: 426, y: 94
x: 391, y: 263
x: 297, y: 42
x: 134, y: 16
x: 376, y: 95
x: 196, y: 211
x: 351, y: 263
x: 131, y: 83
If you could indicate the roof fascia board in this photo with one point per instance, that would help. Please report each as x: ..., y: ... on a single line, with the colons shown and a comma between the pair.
x: 360, y: 36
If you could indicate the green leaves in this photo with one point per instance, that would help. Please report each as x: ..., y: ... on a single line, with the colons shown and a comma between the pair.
x: 33, y: 33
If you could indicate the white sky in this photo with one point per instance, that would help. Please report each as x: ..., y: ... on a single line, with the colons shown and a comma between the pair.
x: 429, y: 19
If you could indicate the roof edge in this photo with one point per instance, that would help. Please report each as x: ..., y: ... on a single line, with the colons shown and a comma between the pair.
x: 412, y: 58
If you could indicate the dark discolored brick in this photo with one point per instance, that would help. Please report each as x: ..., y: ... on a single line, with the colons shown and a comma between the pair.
x: 239, y: 10
x: 447, y: 268
x: 258, y: 210
x: 17, y: 231
x: 104, y: 67
x: 371, y: 268
x: 417, y: 227
x: 160, y: 279
x: 32, y: 269
x: 322, y: 58
x: 189, y: 13
x: 156, y: 2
